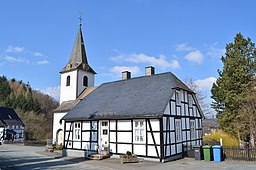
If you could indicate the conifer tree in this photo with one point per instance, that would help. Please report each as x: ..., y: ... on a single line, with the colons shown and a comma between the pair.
x: 229, y: 89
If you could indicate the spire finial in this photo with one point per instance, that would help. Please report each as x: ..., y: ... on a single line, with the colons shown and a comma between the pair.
x: 80, y: 19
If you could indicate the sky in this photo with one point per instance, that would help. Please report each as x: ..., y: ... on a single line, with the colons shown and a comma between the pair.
x: 184, y: 37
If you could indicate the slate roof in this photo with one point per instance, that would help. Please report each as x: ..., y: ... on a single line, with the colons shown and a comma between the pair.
x: 9, y: 117
x: 78, y: 58
x: 68, y: 105
x: 139, y: 97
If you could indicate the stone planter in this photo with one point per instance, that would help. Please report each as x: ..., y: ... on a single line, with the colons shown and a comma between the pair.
x: 128, y: 159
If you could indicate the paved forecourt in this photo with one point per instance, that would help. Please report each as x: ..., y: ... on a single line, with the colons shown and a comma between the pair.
x: 28, y: 157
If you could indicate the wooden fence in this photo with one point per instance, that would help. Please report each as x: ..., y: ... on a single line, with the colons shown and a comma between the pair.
x: 241, y: 154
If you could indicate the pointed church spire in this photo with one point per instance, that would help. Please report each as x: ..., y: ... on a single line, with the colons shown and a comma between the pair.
x: 78, y: 58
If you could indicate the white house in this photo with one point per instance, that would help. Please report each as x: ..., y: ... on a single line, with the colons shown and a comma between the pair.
x: 11, y: 126
x: 154, y: 116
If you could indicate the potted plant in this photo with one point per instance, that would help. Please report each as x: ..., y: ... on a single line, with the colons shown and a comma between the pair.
x: 128, y: 158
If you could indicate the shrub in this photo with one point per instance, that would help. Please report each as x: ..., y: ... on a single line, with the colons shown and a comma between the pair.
x: 59, y: 147
x: 227, y: 140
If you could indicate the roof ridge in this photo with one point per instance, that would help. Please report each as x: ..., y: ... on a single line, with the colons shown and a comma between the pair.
x: 133, y: 78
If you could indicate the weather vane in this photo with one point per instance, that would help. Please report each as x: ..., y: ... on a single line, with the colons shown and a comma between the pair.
x: 80, y: 18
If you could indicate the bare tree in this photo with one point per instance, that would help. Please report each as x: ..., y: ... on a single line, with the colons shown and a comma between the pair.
x: 201, y: 97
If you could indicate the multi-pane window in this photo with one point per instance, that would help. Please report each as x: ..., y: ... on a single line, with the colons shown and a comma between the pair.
x: 68, y: 81
x: 77, y: 131
x: 192, y: 129
x: 139, y: 131
x: 178, y: 130
x: 178, y: 101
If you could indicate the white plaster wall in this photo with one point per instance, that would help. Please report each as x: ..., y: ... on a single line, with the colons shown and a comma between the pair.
x: 154, y: 124
x: 86, y: 125
x: 112, y: 137
x: 112, y: 147
x: 124, y: 125
x: 152, y: 150
x: 184, y: 136
x: 86, y: 136
x: 181, y: 95
x: 186, y: 96
x: 178, y: 111
x: 172, y: 137
x: 167, y: 109
x: 81, y: 75
x: 173, y: 110
x: 94, y: 136
x: 186, y: 112
x: 123, y: 148
x: 68, y: 126
x: 68, y: 92
x: 139, y: 149
x: 112, y: 125
x: 172, y: 123
x: 179, y: 148
x: 173, y: 150
x: 56, y: 123
x: 85, y: 145
x: 124, y: 137
x: 77, y: 145
x: 156, y: 136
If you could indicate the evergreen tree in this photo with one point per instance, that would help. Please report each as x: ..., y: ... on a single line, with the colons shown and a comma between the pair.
x: 5, y: 90
x: 234, y: 79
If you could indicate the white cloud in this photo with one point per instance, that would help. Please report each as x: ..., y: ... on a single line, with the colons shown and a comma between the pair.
x: 11, y: 48
x: 16, y: 59
x: 215, y: 52
x: 117, y: 70
x: 184, y: 47
x: 142, y: 58
x: 195, y: 56
x: 53, y: 92
x: 205, y: 84
x: 37, y: 54
x: 42, y: 62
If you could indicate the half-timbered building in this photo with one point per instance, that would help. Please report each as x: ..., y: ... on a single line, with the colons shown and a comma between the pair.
x: 11, y: 126
x: 155, y: 116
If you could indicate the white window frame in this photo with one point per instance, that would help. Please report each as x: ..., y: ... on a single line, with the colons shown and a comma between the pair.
x: 178, y: 97
x: 77, y: 130
x: 139, y: 131
x: 192, y: 129
x: 178, y: 130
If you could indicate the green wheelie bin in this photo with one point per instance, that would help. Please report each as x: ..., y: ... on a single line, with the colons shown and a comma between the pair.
x: 207, y: 153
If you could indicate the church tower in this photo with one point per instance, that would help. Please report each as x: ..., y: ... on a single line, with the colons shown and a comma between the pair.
x: 77, y: 75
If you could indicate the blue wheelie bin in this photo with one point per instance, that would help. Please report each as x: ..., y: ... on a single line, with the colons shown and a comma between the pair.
x: 217, y: 153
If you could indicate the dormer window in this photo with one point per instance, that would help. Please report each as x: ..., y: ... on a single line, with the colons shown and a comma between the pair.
x: 68, y: 81
x: 85, y: 81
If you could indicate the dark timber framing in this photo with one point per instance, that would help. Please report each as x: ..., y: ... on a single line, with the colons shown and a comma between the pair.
x: 160, y: 139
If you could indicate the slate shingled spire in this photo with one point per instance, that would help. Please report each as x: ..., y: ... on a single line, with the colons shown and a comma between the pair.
x: 78, y: 58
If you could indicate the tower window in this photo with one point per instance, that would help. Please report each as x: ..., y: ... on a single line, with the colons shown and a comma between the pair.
x: 68, y: 81
x: 85, y: 81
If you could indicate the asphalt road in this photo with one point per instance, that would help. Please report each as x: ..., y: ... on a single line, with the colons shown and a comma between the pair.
x: 19, y: 157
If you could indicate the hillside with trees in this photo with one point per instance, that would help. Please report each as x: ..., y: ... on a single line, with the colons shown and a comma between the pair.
x: 234, y: 91
x: 33, y: 107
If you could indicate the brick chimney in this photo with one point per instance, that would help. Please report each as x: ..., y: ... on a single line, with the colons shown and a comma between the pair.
x: 126, y: 75
x: 150, y: 70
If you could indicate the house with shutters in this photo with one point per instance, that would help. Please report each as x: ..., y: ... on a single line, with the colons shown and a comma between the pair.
x: 11, y: 126
x: 155, y: 116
